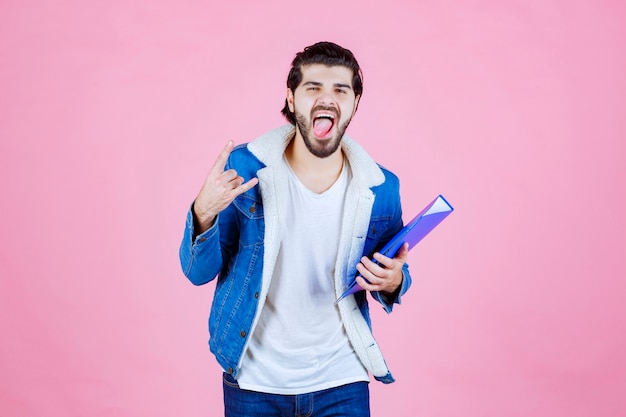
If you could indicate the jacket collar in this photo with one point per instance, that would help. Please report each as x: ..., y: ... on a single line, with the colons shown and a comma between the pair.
x: 270, y: 147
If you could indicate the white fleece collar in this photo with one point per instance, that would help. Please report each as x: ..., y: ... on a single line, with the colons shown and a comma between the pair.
x: 270, y: 147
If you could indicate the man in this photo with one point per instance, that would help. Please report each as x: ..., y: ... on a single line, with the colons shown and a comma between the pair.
x: 285, y: 223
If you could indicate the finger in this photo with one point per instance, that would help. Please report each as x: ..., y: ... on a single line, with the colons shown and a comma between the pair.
x: 372, y: 266
x: 368, y: 274
x: 403, y: 252
x: 384, y: 260
x: 248, y: 185
x: 401, y: 256
x: 242, y: 188
x: 239, y: 187
x: 220, y: 162
x: 363, y: 283
x: 235, y: 183
x: 366, y: 284
x: 228, y: 176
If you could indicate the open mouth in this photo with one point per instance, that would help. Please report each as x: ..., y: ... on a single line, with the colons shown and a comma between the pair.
x: 323, y: 123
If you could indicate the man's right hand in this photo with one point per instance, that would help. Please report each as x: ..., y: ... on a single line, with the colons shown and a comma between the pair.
x: 219, y: 190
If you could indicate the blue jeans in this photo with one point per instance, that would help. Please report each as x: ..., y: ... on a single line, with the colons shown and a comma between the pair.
x: 350, y: 400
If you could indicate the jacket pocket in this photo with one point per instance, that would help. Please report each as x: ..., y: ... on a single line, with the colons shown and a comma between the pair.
x: 251, y: 215
x: 377, y: 234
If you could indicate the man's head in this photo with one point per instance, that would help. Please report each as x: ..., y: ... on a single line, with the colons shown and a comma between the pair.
x: 325, y: 53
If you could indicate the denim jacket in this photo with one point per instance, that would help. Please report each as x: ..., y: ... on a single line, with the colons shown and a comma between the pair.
x: 242, y: 246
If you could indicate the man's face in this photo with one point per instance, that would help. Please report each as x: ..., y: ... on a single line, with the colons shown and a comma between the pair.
x: 324, y: 104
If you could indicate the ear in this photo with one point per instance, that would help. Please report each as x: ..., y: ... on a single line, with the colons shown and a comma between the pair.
x: 356, y: 104
x: 290, y: 100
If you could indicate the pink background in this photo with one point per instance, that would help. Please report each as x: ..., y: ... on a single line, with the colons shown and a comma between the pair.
x: 112, y: 112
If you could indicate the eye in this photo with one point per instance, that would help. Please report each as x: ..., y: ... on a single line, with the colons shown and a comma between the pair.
x: 341, y: 91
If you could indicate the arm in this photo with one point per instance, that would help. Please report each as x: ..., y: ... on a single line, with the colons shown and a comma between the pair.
x: 200, y: 251
x: 200, y: 254
x: 389, y: 279
x: 219, y: 190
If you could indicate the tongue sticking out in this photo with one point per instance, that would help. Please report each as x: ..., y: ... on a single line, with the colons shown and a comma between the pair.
x: 322, y: 127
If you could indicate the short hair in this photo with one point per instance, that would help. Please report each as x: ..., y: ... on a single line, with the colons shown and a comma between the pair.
x: 326, y: 53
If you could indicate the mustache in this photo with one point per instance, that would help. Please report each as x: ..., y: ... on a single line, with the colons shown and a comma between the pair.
x: 329, y: 109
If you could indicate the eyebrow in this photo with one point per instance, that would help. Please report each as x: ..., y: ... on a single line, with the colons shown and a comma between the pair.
x: 336, y: 85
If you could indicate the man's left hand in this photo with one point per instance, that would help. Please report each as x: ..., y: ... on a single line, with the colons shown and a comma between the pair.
x: 386, y: 277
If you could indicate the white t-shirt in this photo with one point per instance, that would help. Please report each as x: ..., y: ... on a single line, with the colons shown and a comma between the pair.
x: 299, y: 344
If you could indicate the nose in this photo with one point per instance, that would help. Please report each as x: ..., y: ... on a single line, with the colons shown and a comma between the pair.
x: 326, y: 99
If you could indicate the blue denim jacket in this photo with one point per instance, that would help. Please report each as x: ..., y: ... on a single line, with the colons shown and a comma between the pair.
x: 241, y: 248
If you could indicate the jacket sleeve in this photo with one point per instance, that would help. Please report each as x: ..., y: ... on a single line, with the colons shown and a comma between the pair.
x: 404, y: 287
x: 210, y: 253
x: 388, y: 302
x: 200, y: 256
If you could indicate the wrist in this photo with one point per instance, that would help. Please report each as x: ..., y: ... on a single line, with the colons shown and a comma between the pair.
x: 202, y: 221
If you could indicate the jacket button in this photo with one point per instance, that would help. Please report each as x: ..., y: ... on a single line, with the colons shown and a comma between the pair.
x: 202, y: 239
x: 243, y: 333
x: 252, y: 209
x: 229, y: 371
x: 256, y: 295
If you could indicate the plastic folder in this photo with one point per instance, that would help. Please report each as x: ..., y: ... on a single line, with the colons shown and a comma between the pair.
x: 413, y: 232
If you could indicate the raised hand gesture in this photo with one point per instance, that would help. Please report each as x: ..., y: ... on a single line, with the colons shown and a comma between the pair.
x: 219, y: 190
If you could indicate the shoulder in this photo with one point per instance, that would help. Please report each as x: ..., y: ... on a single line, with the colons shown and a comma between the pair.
x: 391, y: 182
x: 243, y: 161
x: 387, y: 196
x: 389, y: 175
x: 265, y: 151
x: 247, y: 166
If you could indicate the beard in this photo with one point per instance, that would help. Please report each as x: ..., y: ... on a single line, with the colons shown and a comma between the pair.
x: 321, y: 149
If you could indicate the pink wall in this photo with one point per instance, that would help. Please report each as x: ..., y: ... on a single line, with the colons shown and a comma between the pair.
x: 112, y: 112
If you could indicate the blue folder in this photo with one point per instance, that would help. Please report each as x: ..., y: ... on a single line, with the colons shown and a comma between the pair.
x: 413, y: 232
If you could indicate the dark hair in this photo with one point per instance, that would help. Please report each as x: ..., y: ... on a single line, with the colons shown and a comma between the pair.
x: 326, y: 53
